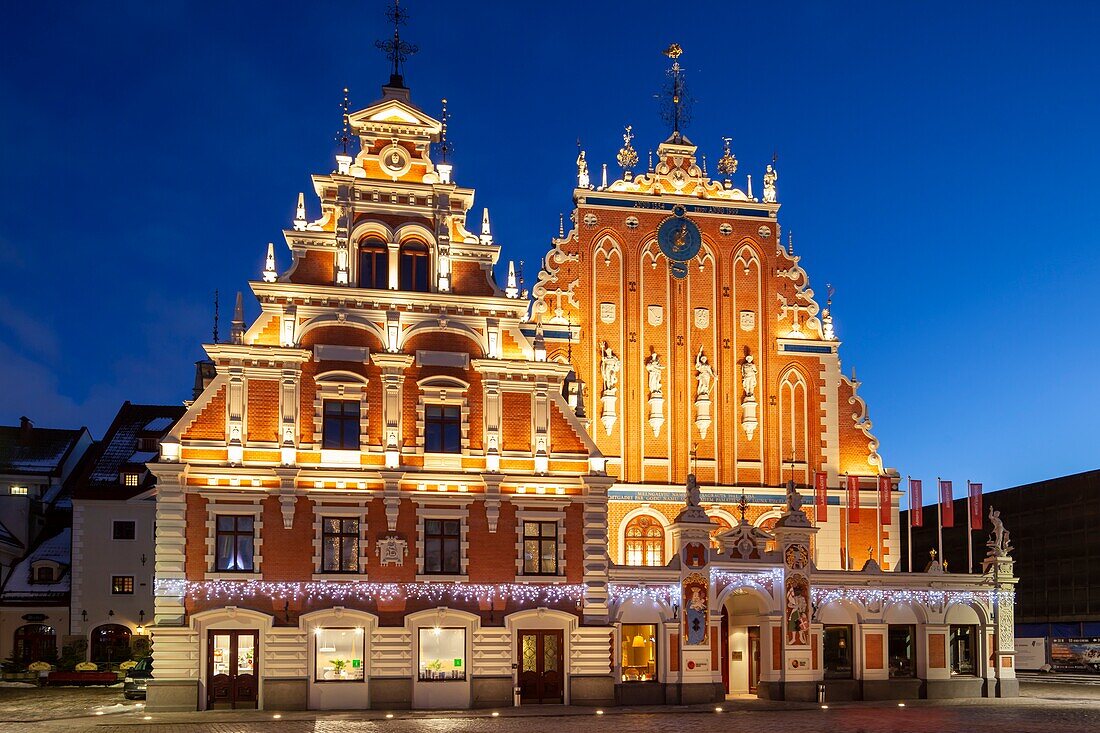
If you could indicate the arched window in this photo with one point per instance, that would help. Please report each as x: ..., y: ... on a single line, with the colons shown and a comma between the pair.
x: 374, y: 264
x: 768, y: 525
x: 720, y: 526
x: 43, y: 574
x: 110, y: 644
x: 34, y: 643
x: 645, y: 542
x: 414, y: 267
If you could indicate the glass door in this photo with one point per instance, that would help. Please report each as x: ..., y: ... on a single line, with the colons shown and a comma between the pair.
x: 541, y: 667
x: 754, y: 658
x: 231, y: 669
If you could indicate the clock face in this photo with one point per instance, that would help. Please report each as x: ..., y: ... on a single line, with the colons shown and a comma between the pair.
x: 679, y: 239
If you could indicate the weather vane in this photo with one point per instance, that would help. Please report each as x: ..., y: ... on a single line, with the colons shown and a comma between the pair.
x: 344, y: 137
x: 444, y: 146
x: 396, y: 50
x: 675, y: 110
x: 727, y: 164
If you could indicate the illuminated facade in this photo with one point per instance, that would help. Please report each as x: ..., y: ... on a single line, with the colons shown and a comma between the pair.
x: 408, y: 486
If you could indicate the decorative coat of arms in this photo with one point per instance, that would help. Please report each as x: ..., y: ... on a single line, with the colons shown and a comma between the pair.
x: 391, y: 550
x: 702, y: 318
x: 748, y: 320
x: 607, y: 312
x: 655, y: 315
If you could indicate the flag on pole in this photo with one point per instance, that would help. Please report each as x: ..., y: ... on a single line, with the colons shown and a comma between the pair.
x: 947, y: 504
x: 975, y: 505
x: 885, y: 487
x: 916, y: 503
x: 821, y: 492
x: 853, y: 499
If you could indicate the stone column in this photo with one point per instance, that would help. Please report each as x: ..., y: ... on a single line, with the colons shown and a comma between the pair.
x: 999, y: 569
x: 793, y: 532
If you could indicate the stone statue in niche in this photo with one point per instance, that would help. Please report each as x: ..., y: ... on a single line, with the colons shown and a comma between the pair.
x: 609, y: 368
x: 654, y: 367
x: 704, y: 375
x: 748, y: 378
x: 771, y: 175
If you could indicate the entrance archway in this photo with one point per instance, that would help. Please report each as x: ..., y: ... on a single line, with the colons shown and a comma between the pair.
x: 742, y: 614
x: 110, y: 644
x: 34, y: 643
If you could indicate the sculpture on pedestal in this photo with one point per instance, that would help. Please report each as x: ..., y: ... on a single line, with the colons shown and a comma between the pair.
x: 705, y: 379
x: 654, y: 367
x: 609, y: 371
x: 749, y: 371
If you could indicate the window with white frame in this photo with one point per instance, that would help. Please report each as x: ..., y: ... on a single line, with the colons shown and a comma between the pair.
x: 339, y: 544
x: 540, y: 548
x: 442, y: 654
x: 442, y: 429
x: 339, y: 655
x: 442, y: 546
x: 234, y: 542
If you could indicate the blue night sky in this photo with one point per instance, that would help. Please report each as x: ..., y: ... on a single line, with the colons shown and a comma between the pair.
x: 937, y: 165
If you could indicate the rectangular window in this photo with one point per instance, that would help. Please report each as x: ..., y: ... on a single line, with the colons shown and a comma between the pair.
x: 442, y: 546
x: 341, y: 425
x: 18, y: 490
x: 442, y: 429
x: 902, y: 650
x: 540, y: 548
x: 123, y: 529
x: 122, y: 585
x: 442, y: 655
x: 235, y: 543
x: 962, y: 650
x: 339, y: 655
x: 340, y: 544
x: 836, y: 646
x: 639, y: 644
x: 131, y: 479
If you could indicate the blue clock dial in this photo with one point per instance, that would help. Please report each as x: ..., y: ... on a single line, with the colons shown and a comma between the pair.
x: 680, y: 240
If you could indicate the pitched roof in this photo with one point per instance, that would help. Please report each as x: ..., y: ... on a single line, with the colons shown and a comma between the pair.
x: 39, y: 451
x: 20, y: 585
x: 8, y: 538
x: 119, y: 450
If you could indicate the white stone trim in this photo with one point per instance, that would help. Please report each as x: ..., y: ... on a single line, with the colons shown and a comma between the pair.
x: 320, y: 511
x: 213, y: 510
x: 439, y: 389
x: 340, y: 385
x: 543, y: 514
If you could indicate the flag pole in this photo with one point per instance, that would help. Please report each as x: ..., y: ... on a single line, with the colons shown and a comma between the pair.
x: 910, y: 480
x: 878, y: 522
x: 939, y: 516
x: 969, y: 532
x: 847, y: 521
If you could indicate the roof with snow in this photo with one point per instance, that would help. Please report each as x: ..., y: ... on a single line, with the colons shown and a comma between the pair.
x: 21, y: 584
x: 130, y: 443
x: 8, y: 537
x: 36, y: 451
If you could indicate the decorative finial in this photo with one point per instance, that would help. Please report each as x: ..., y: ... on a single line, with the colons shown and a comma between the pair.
x: 237, y: 330
x: 827, y: 316
x: 486, y: 234
x: 561, y: 225
x: 396, y: 50
x: 771, y: 175
x: 444, y: 146
x: 790, y: 242
x: 675, y: 111
x: 727, y: 164
x: 512, y: 288
x: 704, y: 165
x: 300, y: 214
x: 270, y: 274
x: 216, y: 316
x: 628, y: 156
x: 650, y: 161
x: 344, y: 136
x: 603, y: 177
x: 743, y: 505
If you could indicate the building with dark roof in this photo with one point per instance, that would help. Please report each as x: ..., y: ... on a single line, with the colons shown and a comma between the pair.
x: 114, y: 512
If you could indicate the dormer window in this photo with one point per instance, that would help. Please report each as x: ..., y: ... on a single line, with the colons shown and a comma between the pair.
x: 43, y: 575
x: 414, y: 267
x: 374, y: 265
x: 131, y: 479
x: 147, y: 445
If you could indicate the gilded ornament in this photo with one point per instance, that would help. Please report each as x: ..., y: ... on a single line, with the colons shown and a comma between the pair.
x: 727, y: 164
x: 628, y: 156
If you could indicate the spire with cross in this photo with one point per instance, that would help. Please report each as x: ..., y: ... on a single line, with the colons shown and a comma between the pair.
x: 396, y: 50
x: 675, y: 106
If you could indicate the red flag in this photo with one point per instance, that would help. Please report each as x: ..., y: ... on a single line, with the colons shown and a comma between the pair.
x: 916, y: 503
x: 975, y: 505
x: 947, y: 504
x: 853, y: 499
x: 821, y: 492
x: 885, y: 487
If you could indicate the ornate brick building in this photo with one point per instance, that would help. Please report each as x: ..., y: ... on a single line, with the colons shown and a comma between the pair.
x: 405, y: 485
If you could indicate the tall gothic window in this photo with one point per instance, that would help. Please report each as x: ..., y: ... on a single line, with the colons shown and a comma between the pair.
x: 414, y: 267
x: 374, y: 265
x: 645, y: 542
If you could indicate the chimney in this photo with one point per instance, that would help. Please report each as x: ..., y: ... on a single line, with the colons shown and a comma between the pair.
x: 25, y: 428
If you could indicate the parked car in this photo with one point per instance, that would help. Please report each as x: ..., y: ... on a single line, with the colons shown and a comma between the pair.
x: 133, y: 687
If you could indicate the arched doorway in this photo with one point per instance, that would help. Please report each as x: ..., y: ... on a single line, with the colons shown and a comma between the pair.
x: 742, y: 614
x: 110, y: 644
x: 34, y: 643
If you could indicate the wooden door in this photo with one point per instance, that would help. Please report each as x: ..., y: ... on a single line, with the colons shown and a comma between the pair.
x: 541, y: 667
x: 754, y: 658
x: 232, y: 669
x: 724, y: 645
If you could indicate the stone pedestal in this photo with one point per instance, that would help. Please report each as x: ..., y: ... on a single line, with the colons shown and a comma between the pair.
x: 656, y: 413
x: 702, y: 416
x: 748, y: 417
x: 608, y: 401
